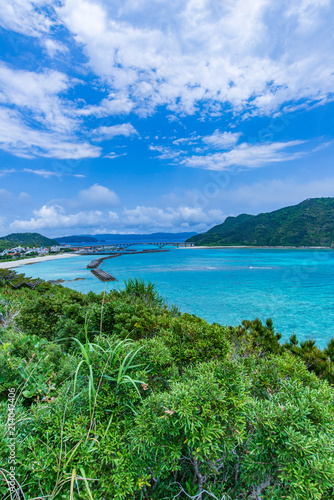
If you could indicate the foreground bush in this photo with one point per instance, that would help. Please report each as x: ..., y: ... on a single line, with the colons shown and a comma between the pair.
x: 119, y: 397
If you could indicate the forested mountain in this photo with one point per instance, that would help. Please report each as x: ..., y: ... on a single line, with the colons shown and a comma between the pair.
x: 26, y: 239
x: 310, y: 223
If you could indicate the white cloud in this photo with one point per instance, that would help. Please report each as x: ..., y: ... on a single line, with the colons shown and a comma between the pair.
x: 54, y: 217
x: 166, y: 153
x: 248, y: 55
x: 37, y: 92
x: 35, y: 121
x: 29, y: 17
x: 113, y: 155
x: 98, y: 196
x: 187, y: 140
x: 219, y: 140
x: 125, y: 130
x: 50, y: 173
x: 243, y: 155
x: 6, y: 171
x: 42, y: 173
x: 186, y: 56
x: 20, y: 140
x: 144, y: 219
x: 115, y: 104
x: 246, y: 156
x: 54, y: 47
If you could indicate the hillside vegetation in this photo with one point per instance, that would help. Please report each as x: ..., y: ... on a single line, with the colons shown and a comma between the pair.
x: 311, y: 223
x: 25, y: 239
x: 118, y: 396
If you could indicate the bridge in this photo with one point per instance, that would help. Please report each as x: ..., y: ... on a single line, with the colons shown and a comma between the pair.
x: 116, y: 247
x: 159, y: 244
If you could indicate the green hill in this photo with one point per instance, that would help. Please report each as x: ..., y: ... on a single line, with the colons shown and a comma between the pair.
x: 25, y: 239
x: 311, y: 223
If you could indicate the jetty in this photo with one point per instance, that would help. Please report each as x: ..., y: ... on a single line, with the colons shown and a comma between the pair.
x: 96, y: 262
x: 102, y: 275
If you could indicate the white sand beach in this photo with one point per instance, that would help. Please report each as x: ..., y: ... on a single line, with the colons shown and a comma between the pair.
x: 35, y: 260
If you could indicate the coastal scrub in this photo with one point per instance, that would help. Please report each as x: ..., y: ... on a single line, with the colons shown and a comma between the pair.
x: 118, y: 396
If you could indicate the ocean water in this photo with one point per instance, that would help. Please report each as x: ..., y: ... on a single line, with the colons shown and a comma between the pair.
x: 293, y: 287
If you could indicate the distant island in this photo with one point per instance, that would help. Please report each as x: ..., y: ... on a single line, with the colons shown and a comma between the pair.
x: 120, y: 238
x: 310, y: 223
x: 77, y: 239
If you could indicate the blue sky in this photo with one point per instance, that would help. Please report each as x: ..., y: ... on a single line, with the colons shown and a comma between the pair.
x: 153, y: 115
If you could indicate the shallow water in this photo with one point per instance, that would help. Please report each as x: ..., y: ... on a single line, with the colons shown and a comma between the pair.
x: 293, y: 287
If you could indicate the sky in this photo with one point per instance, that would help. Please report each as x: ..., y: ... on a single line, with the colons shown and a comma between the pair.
x: 138, y: 116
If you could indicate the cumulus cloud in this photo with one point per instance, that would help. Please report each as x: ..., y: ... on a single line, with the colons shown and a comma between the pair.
x: 143, y: 219
x: 55, y: 217
x: 98, y: 196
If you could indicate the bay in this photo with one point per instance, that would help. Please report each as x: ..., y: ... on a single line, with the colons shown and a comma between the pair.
x: 293, y: 287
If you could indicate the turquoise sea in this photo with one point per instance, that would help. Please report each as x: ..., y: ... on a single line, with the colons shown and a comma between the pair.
x: 293, y: 287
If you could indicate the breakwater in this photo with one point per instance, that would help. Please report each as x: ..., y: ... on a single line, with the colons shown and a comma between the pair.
x: 94, y: 264
x: 102, y: 275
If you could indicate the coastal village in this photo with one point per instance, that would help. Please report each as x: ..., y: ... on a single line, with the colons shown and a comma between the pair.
x: 19, y: 252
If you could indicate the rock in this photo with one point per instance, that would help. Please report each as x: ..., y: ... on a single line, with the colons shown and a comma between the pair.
x: 56, y: 282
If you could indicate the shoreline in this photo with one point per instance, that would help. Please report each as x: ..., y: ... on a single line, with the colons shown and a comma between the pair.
x: 35, y: 260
